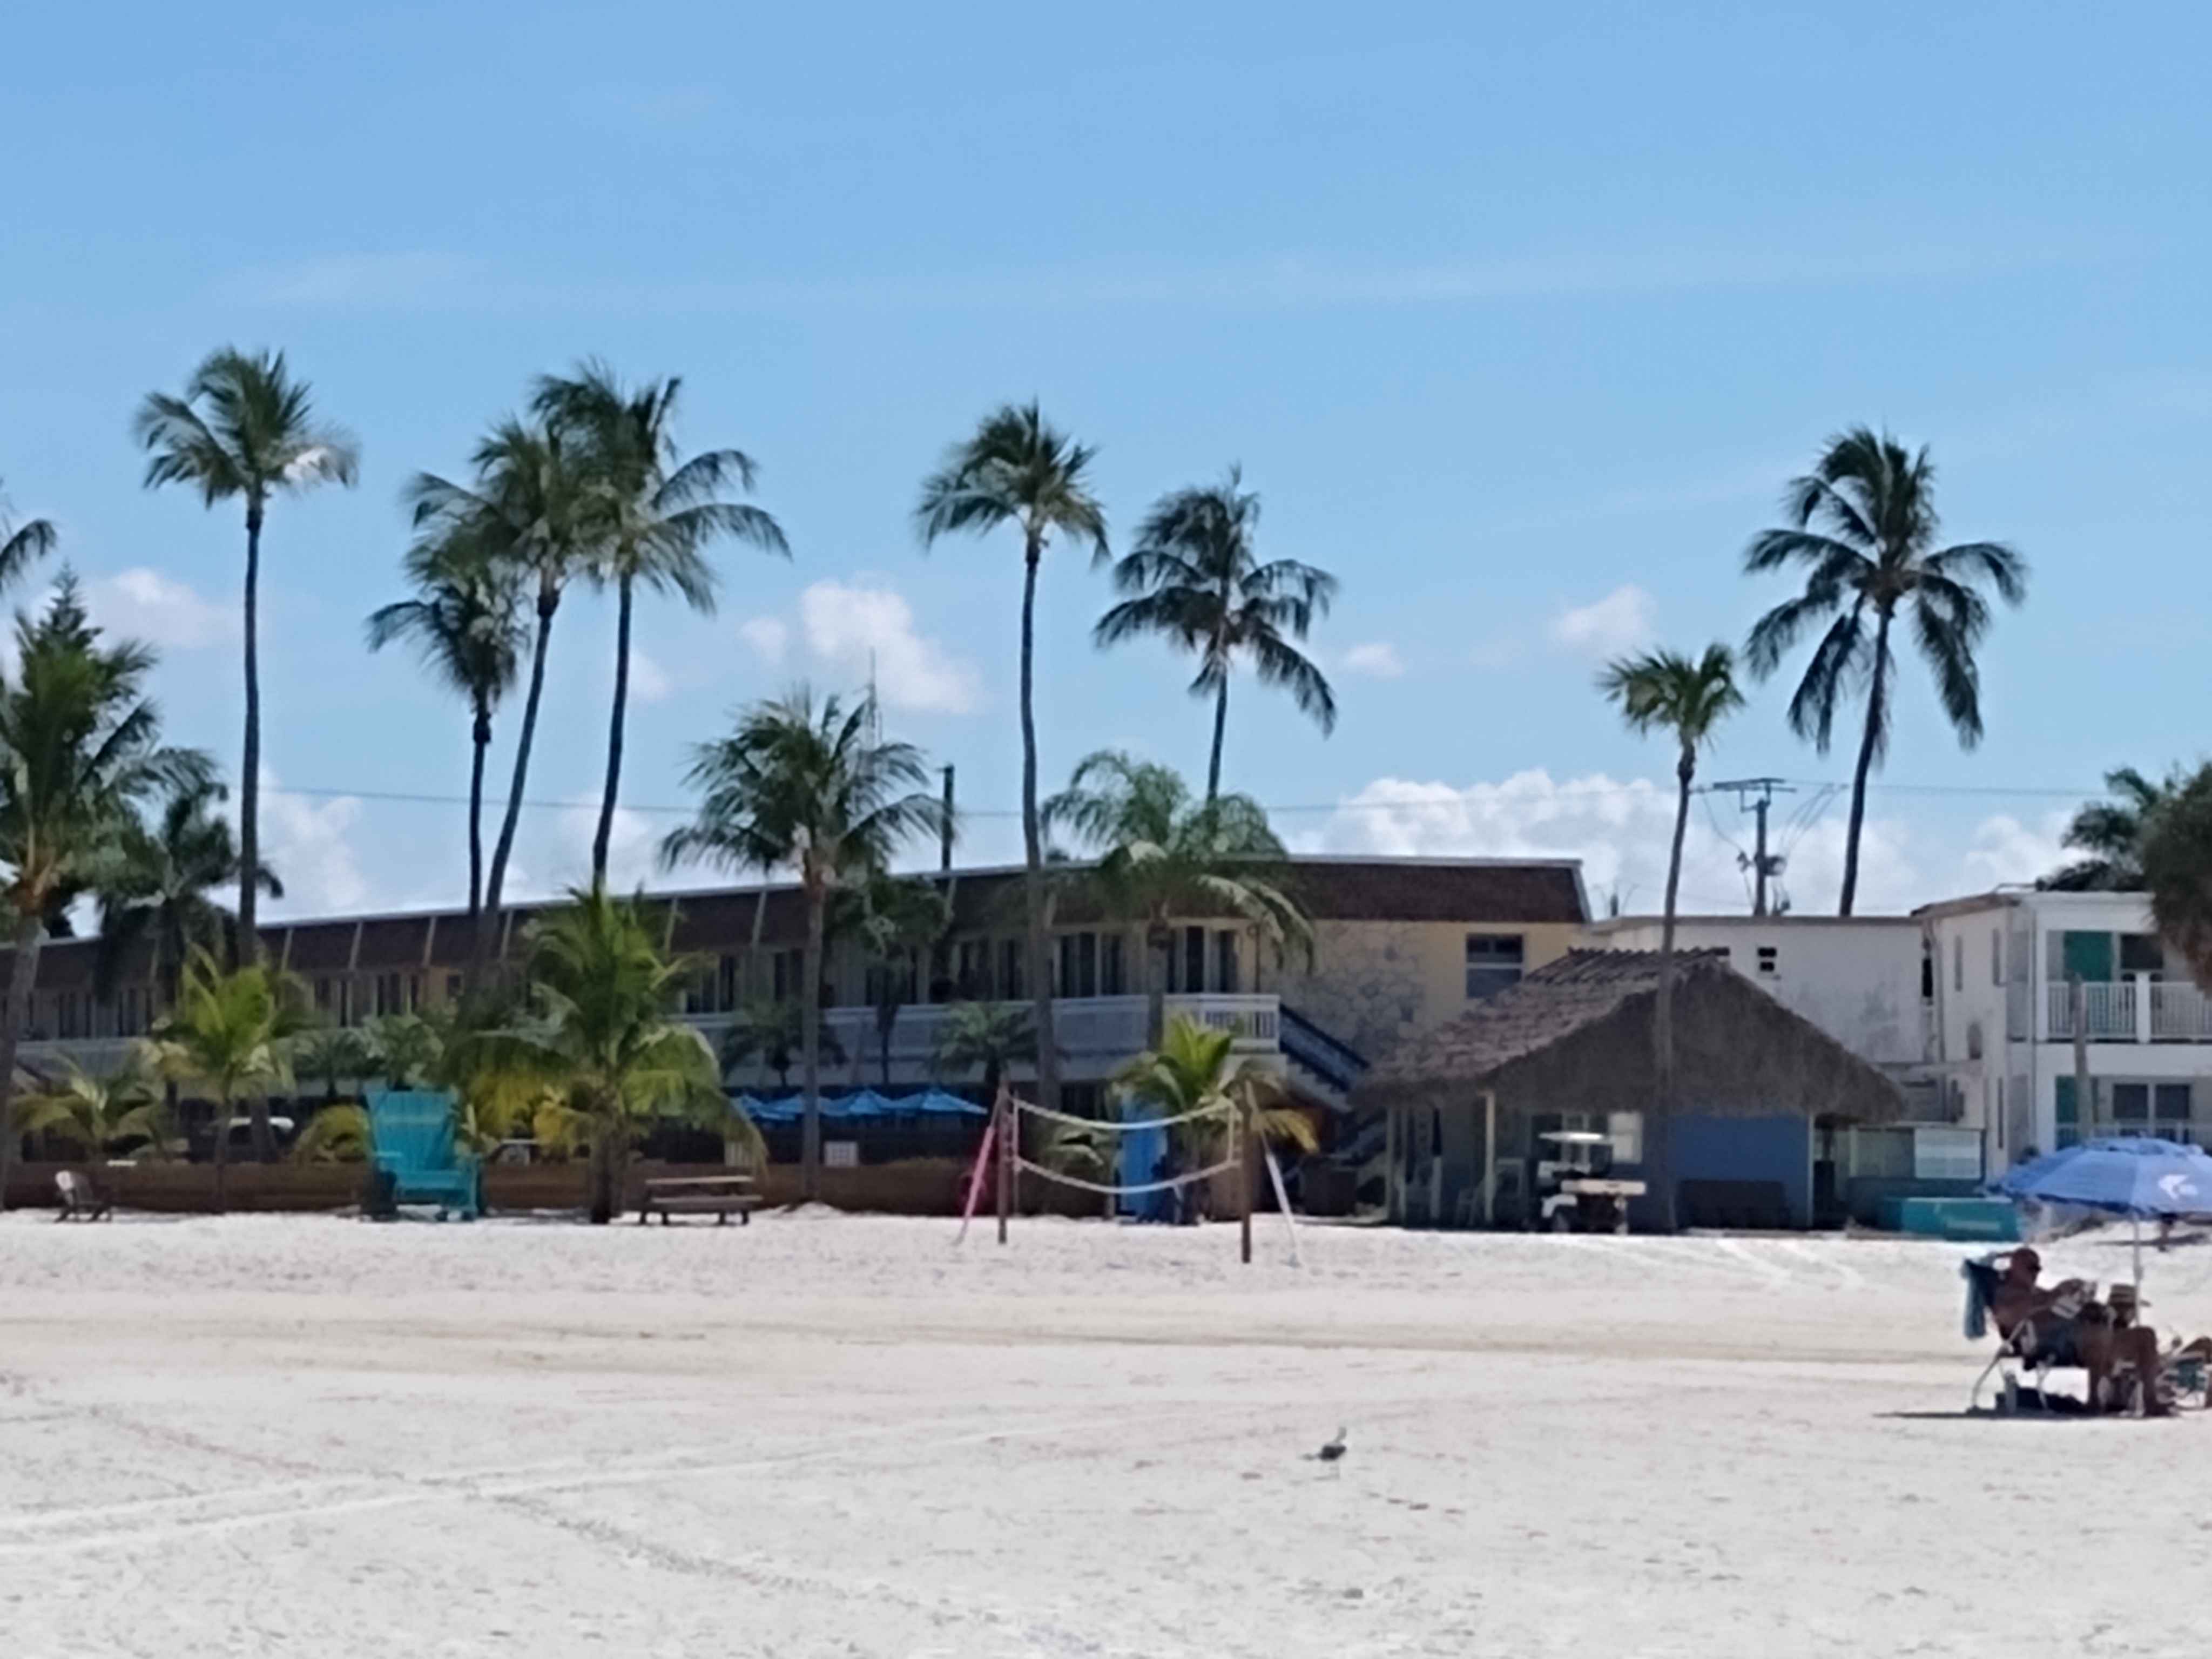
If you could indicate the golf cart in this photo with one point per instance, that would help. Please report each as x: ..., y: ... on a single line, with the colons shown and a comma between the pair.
x: 1572, y: 1186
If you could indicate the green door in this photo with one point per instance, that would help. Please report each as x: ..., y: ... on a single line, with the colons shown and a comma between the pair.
x: 2089, y: 956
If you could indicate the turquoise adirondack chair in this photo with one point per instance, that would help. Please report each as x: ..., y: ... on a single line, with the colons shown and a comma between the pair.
x: 411, y: 1134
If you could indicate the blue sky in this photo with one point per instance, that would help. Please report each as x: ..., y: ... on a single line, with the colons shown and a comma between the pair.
x: 1518, y: 321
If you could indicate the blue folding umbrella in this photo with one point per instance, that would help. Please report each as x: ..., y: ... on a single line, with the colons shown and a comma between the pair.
x: 2135, y: 1176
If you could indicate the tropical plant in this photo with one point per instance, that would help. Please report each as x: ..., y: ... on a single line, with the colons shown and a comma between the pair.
x: 22, y: 544
x: 812, y: 788
x: 335, y: 1134
x: 529, y: 514
x: 660, y: 513
x: 231, y: 1034
x: 1160, y: 855
x: 774, y: 1033
x: 1016, y: 469
x: 405, y: 1049
x: 988, y: 1036
x: 1194, y: 1069
x: 333, y: 1054
x: 1667, y: 691
x: 601, y: 1054
x: 465, y: 623
x: 895, y: 920
x: 2111, y: 832
x: 2177, y: 869
x: 79, y: 751
x: 96, y: 1111
x: 244, y: 429
x: 153, y: 890
x: 1196, y: 578
x: 1864, y: 527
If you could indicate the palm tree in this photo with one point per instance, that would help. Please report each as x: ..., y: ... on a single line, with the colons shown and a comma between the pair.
x: 897, y: 921
x: 1160, y: 856
x: 2111, y: 833
x: 774, y: 1033
x: 1196, y: 578
x: 1664, y: 690
x: 333, y: 1053
x: 815, y: 789
x: 153, y: 890
x: 244, y: 427
x: 96, y: 1111
x: 529, y: 515
x: 335, y: 1134
x: 79, y: 751
x: 1193, y: 1068
x: 602, y: 1044
x: 22, y: 543
x: 988, y: 1036
x: 465, y: 623
x: 1018, y: 470
x: 660, y: 513
x: 229, y: 1033
x: 2176, y: 870
x: 405, y: 1048
x: 1873, y: 550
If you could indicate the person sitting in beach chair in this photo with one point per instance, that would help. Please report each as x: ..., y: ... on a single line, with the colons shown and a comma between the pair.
x: 2065, y: 1325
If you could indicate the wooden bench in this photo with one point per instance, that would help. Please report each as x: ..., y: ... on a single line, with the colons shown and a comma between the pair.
x: 720, y: 1196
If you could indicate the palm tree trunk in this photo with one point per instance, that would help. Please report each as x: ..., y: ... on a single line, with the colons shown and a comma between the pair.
x: 1877, y: 694
x: 1220, y: 725
x: 809, y: 1044
x: 221, y: 1149
x: 1661, y: 1148
x: 548, y: 601
x: 622, y: 607
x: 1048, y: 1060
x: 246, y: 947
x: 480, y: 743
x: 22, y: 975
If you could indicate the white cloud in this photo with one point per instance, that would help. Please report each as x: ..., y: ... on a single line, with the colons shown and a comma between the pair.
x: 769, y: 637
x: 360, y: 279
x: 142, y: 604
x: 1378, y: 659
x: 308, y: 842
x: 1621, y: 621
x: 648, y: 680
x: 859, y: 629
x: 2005, y: 850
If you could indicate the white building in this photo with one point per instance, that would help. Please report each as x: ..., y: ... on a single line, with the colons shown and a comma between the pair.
x: 2003, y: 966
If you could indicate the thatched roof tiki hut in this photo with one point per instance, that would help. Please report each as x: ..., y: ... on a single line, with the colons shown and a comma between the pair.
x: 1569, y: 1047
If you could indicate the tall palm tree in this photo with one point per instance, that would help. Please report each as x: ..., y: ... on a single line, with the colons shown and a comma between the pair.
x: 21, y: 544
x: 465, y: 623
x: 661, y: 513
x: 1195, y: 578
x: 2111, y: 833
x: 2176, y: 870
x: 1667, y: 691
x: 896, y: 921
x: 244, y: 427
x: 602, y: 1040
x: 810, y: 787
x: 1160, y: 856
x: 1863, y: 528
x: 229, y: 1033
x: 154, y: 889
x: 1016, y: 469
x: 79, y: 751
x: 529, y: 514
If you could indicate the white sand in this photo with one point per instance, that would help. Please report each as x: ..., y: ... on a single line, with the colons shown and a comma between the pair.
x: 315, y: 1436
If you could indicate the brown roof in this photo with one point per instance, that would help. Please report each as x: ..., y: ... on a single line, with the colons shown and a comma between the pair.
x: 1577, y: 1032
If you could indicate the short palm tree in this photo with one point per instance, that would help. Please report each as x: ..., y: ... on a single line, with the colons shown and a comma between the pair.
x: 1194, y: 1068
x: 80, y: 752
x: 1161, y: 856
x: 465, y: 623
x: 660, y: 514
x: 529, y: 514
x: 2110, y: 834
x: 896, y: 920
x: 405, y: 1050
x: 1017, y: 470
x: 22, y: 544
x: 774, y: 1033
x: 335, y: 1134
x: 332, y: 1055
x: 1667, y: 691
x: 810, y: 787
x: 244, y: 429
x: 154, y: 889
x: 231, y: 1034
x: 985, y: 1036
x: 1196, y: 578
x: 1863, y: 528
x: 96, y: 1111
x: 2176, y: 870
x: 601, y: 1049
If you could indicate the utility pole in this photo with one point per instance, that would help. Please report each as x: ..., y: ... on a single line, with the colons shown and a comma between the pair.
x: 1756, y: 794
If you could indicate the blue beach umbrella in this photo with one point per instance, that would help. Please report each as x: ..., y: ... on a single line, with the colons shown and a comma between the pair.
x: 2135, y: 1176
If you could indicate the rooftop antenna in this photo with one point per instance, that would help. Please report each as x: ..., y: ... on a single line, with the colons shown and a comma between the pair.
x: 1757, y: 795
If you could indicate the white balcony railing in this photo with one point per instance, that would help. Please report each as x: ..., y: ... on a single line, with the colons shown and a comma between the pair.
x: 2179, y: 1013
x: 2108, y: 1011
x: 2137, y: 1009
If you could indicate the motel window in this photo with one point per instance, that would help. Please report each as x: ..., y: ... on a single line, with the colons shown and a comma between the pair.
x: 1996, y: 956
x: 790, y: 968
x: 2142, y: 953
x: 1193, y: 960
x: 972, y: 975
x: 726, y: 984
x: 1770, y: 961
x: 1958, y: 962
x: 1494, y: 961
x: 1011, y: 970
x: 1225, y: 961
x: 1113, y: 979
x: 1078, y: 964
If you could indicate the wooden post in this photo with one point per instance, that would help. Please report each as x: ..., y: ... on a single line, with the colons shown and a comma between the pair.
x: 1246, y: 1174
x: 2085, y: 1087
x: 1009, y: 1126
x: 1490, y: 1158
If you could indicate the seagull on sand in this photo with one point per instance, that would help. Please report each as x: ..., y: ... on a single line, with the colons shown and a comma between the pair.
x: 1333, y: 1450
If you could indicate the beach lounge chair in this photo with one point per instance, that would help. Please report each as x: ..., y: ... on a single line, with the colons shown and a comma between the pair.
x: 2037, y: 1346
x: 415, y: 1159
x: 80, y: 1202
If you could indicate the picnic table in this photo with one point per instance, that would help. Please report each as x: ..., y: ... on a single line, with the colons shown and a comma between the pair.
x: 718, y: 1195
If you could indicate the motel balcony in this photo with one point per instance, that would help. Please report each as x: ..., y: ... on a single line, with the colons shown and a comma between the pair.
x: 2136, y: 1009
